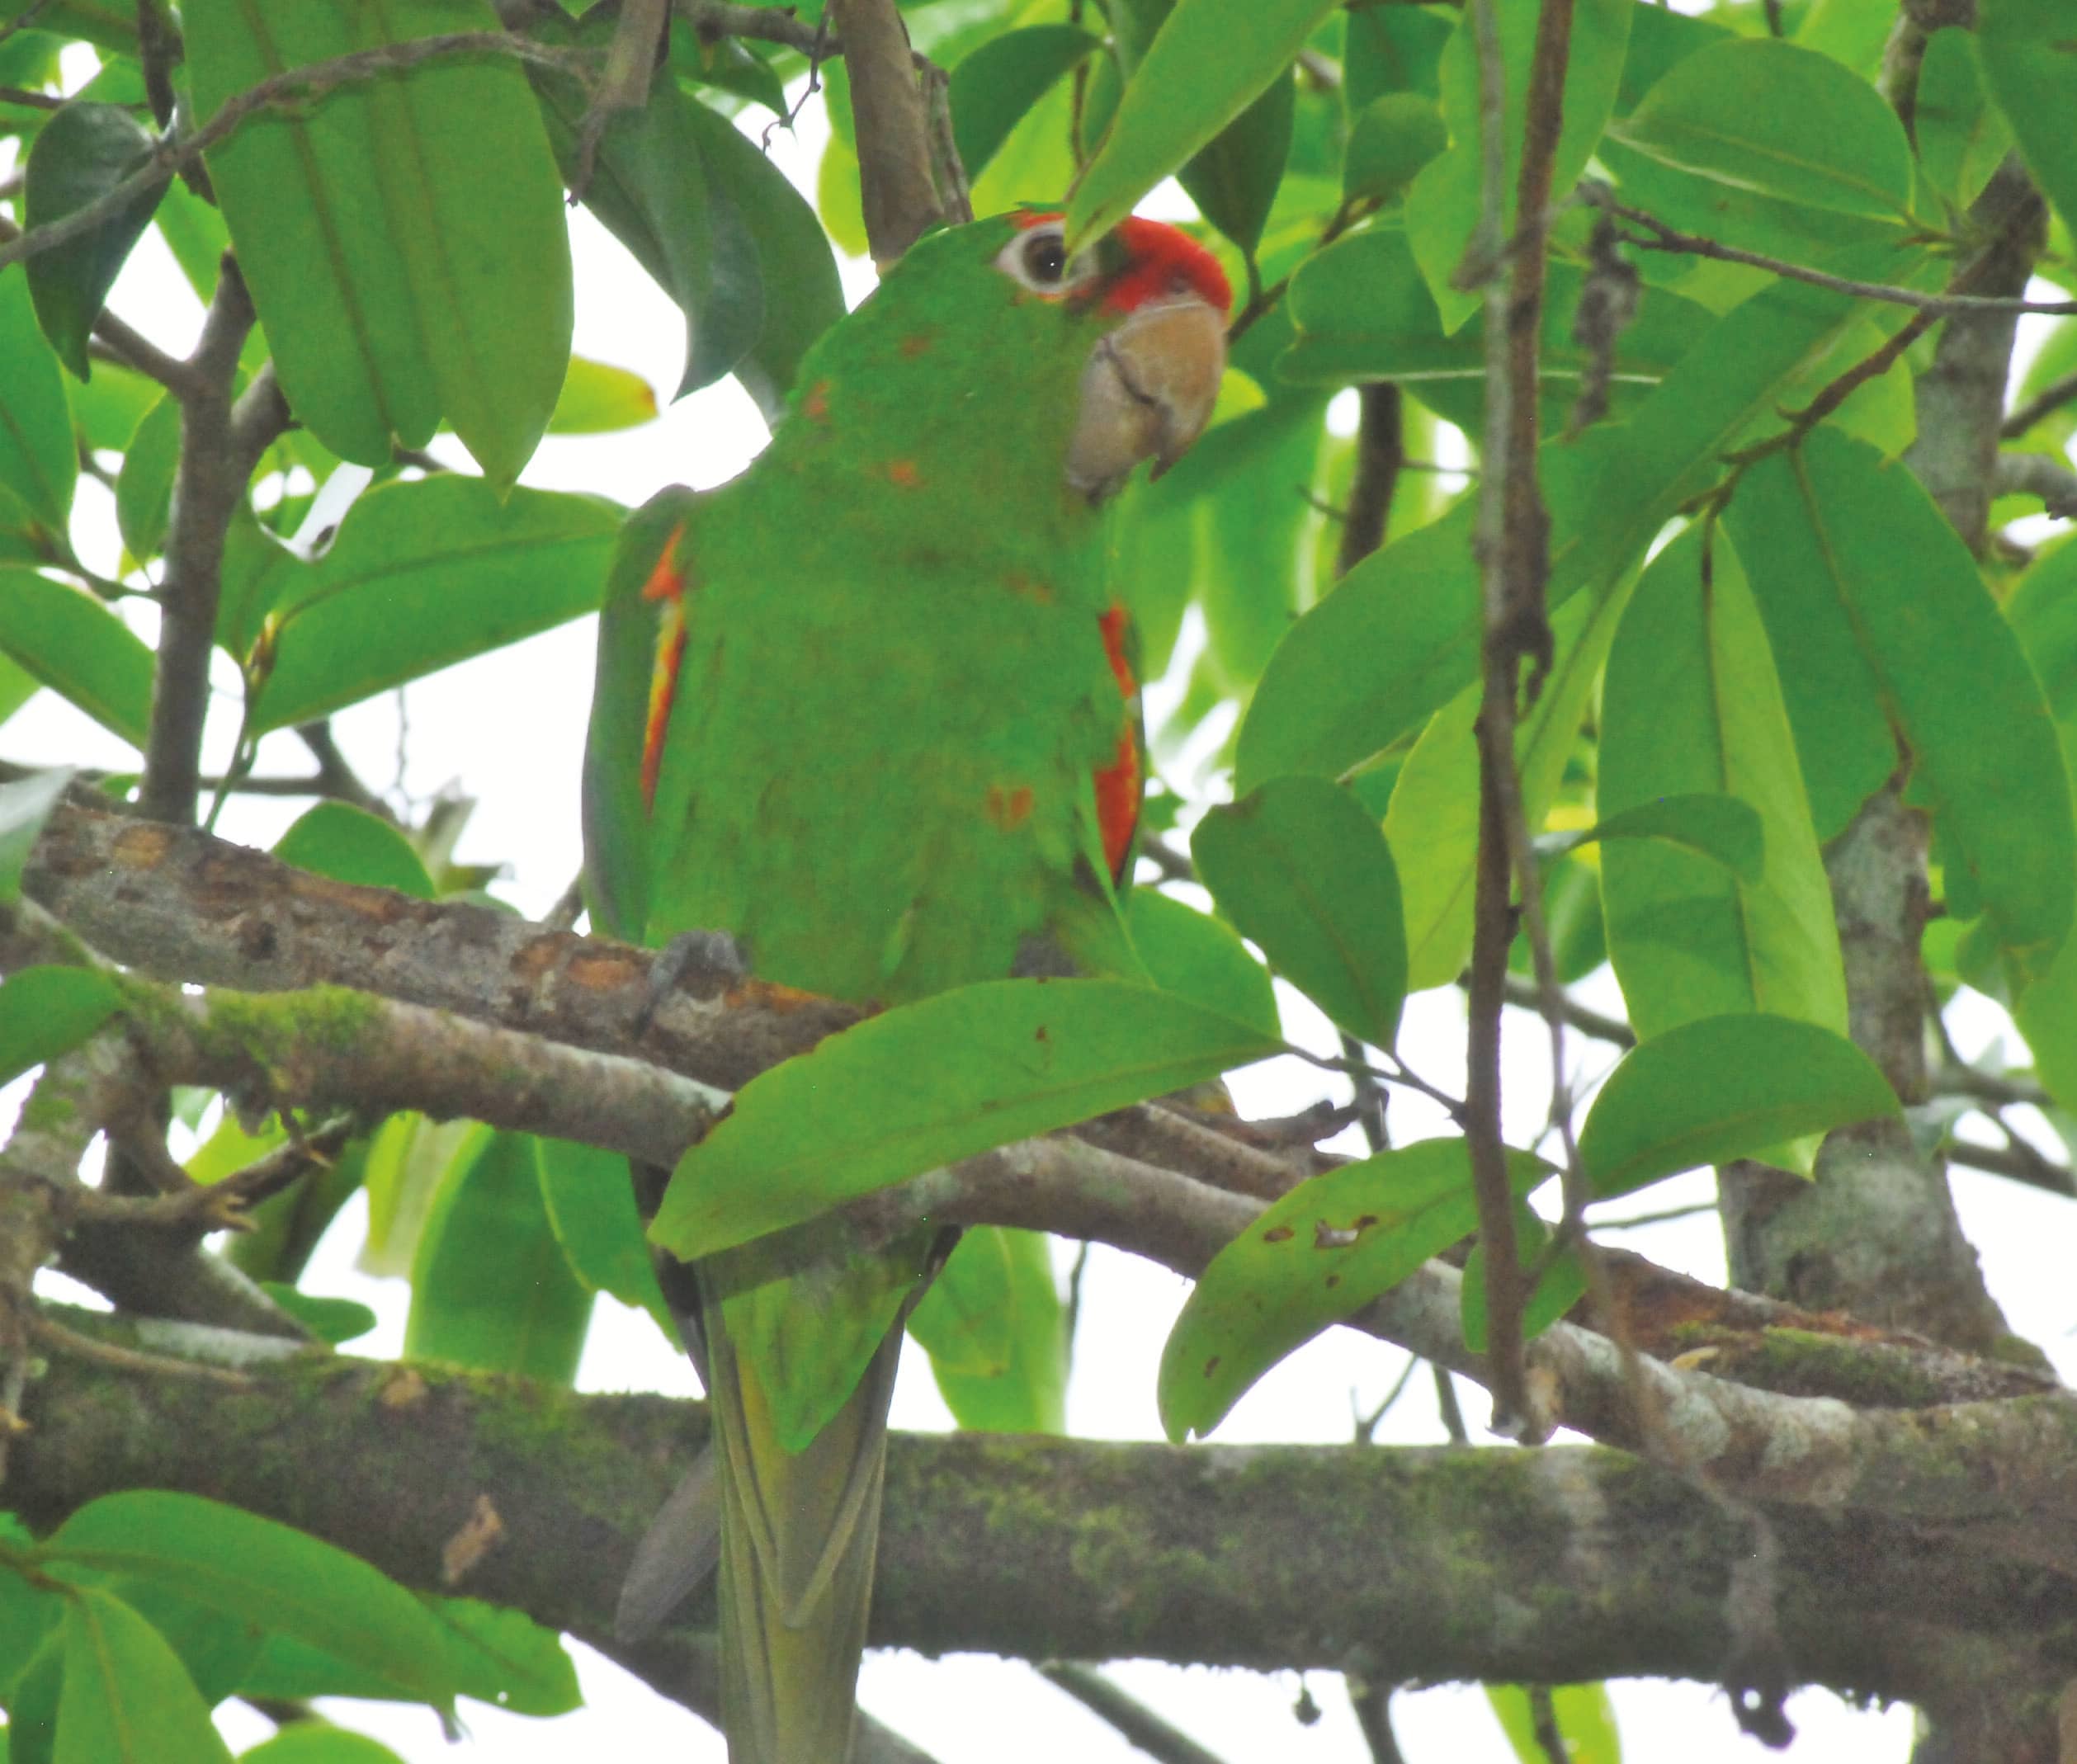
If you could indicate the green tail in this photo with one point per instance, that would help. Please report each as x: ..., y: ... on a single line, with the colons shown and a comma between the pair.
x: 798, y: 1534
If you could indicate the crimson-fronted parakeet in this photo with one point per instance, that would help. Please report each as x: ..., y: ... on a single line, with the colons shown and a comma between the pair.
x: 869, y: 709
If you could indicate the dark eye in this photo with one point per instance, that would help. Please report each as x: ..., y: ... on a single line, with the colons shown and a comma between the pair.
x: 1045, y: 257
x: 1037, y: 259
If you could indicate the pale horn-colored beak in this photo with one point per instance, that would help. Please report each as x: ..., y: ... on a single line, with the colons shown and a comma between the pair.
x: 1148, y: 391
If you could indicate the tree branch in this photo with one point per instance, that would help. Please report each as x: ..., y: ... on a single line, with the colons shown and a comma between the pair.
x: 408, y: 1055
x: 899, y: 196
x: 1567, y: 1564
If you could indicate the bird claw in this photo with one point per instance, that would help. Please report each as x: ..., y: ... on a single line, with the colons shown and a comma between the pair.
x: 719, y: 953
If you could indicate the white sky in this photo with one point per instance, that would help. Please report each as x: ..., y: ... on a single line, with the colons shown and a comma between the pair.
x: 510, y: 728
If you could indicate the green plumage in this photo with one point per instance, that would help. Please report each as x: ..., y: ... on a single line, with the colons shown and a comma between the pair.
x: 877, y: 773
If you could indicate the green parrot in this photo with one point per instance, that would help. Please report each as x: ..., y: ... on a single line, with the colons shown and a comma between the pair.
x: 869, y: 709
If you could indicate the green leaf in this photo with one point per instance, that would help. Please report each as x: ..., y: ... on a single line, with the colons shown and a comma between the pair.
x: 1320, y: 1253
x: 1361, y: 311
x: 260, y: 573
x: 1233, y: 180
x: 280, y: 1579
x: 332, y: 1320
x: 347, y: 844
x: 1208, y: 63
x: 1432, y: 823
x: 1962, y: 134
x: 215, y: 1648
x: 31, y: 1618
x: 38, y: 463
x: 408, y: 1162
x: 127, y: 1699
x: 319, y: 1742
x: 26, y: 804
x: 402, y: 238
x: 490, y: 1287
x: 16, y: 687
x: 1851, y: 556
x: 1390, y: 141
x: 1658, y: 38
x: 726, y: 63
x: 1305, y: 871
x: 2043, y: 614
x: 597, y: 400
x: 928, y: 1083
x: 425, y: 574
x: 503, y: 1658
x: 1412, y: 608
x: 2025, y: 48
x: 196, y: 234
x: 1691, y: 704
x: 1190, y: 954
x: 1443, y: 207
x: 81, y: 154
x: 1721, y: 828
x: 652, y: 185
x: 1723, y: 1087
x: 73, y: 644
x: 1562, y: 1286
x: 1252, y: 527
x: 1769, y: 146
x: 803, y: 296
x: 994, y: 85
x: 48, y: 1010
x: 993, y: 1326
x: 495, y: 1655
x: 145, y: 488
x: 1585, y: 1717
x: 590, y: 1209
x: 1391, y: 48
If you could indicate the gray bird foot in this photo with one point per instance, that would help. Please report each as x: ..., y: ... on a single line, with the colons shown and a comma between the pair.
x: 718, y: 953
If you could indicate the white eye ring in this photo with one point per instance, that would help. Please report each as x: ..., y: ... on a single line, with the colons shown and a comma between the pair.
x: 1037, y: 259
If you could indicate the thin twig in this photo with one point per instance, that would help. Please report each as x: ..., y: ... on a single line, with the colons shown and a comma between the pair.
x: 25, y: 18
x: 1365, y: 1426
x: 1543, y: 1717
x: 711, y: 21
x: 1146, y: 1730
x: 1527, y: 996
x: 1663, y: 238
x: 2051, y: 397
x: 2027, y: 1166
x: 1372, y: 1705
x: 1451, y: 1411
x: 56, y: 1336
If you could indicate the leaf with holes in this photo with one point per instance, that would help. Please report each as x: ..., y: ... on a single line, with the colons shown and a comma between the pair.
x: 1324, y: 1251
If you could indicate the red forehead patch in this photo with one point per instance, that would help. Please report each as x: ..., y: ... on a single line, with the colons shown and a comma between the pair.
x: 1160, y: 260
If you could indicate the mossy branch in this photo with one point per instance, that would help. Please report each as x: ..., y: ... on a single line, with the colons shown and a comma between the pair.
x: 1411, y: 1565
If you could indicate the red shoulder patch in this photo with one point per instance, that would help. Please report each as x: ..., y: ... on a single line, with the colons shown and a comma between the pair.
x: 667, y: 585
x: 1120, y: 785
